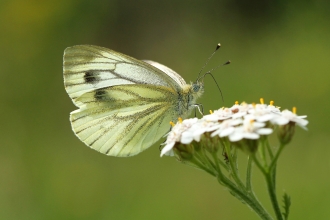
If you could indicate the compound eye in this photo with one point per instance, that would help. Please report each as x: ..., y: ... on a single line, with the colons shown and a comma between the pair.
x: 195, y: 87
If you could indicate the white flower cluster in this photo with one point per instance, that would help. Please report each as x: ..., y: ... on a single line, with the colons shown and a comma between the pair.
x: 244, y: 121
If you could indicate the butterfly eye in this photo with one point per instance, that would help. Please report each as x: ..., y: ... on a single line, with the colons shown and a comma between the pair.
x: 195, y: 87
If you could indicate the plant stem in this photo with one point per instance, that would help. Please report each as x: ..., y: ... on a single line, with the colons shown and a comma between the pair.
x: 262, y: 152
x: 247, y: 198
x: 270, y: 175
x: 273, y: 197
x: 276, y: 156
x: 233, y: 167
x: 256, y: 161
x: 249, y: 174
x: 243, y: 194
x: 270, y: 152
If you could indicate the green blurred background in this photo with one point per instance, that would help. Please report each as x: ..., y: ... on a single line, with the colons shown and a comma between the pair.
x: 279, y: 51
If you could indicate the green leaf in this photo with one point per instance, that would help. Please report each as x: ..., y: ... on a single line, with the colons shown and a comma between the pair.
x: 286, y: 206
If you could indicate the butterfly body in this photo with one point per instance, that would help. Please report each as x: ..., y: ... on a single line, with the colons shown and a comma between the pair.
x: 125, y: 105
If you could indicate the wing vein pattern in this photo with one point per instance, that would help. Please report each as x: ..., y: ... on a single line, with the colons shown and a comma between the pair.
x: 125, y: 105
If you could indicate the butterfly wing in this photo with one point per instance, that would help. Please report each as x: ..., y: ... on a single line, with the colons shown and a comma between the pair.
x: 88, y: 67
x: 125, y: 104
x: 123, y: 120
x: 175, y: 76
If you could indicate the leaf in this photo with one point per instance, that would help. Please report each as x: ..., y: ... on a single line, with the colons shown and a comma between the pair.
x: 286, y: 206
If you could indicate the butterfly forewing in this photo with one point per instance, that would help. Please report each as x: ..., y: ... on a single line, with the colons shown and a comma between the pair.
x: 87, y: 68
x: 178, y: 79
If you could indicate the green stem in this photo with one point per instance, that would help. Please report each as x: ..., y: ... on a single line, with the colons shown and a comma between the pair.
x: 270, y: 152
x: 233, y: 167
x: 204, y: 159
x: 248, y: 175
x: 272, y: 167
x: 273, y: 176
x: 270, y: 186
x: 250, y: 201
x: 262, y: 152
x: 273, y: 197
x: 256, y: 161
x: 215, y: 158
x: 223, y: 164
x: 243, y: 193
x: 248, y: 179
x: 201, y: 166
x: 274, y: 161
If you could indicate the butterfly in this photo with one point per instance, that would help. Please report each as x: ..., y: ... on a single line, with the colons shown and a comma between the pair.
x: 124, y: 104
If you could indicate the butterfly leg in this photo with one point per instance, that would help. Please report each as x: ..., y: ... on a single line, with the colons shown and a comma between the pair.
x: 200, y: 108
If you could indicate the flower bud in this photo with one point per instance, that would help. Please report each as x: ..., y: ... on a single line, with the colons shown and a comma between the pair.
x: 286, y: 132
x: 211, y: 144
x: 184, y: 151
x: 249, y: 146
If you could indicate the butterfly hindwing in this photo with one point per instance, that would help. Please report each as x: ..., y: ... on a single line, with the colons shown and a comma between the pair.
x: 123, y: 120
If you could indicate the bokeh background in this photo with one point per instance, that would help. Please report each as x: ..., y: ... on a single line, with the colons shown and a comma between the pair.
x: 280, y: 51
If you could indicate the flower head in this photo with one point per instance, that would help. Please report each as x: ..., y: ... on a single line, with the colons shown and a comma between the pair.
x: 240, y: 124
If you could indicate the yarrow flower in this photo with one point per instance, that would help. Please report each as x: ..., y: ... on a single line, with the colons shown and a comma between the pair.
x: 288, y: 116
x: 174, y: 136
x: 237, y: 123
x: 250, y: 129
x: 196, y: 143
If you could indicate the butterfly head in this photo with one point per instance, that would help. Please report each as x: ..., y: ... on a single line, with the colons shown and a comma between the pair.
x: 197, y: 88
x: 196, y: 91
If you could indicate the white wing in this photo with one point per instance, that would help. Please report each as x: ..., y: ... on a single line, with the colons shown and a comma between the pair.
x: 124, y: 120
x: 87, y: 68
x: 125, y: 105
x: 178, y: 79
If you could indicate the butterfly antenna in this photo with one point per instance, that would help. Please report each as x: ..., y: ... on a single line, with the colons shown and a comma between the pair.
x: 209, y: 73
x: 207, y: 61
x: 226, y: 63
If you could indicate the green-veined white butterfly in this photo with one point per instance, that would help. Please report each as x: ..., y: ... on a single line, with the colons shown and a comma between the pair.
x: 125, y: 105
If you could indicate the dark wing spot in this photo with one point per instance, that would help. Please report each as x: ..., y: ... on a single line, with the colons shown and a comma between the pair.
x: 100, y: 95
x: 91, y: 77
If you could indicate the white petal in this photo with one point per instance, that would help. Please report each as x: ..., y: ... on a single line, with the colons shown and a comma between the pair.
x: 281, y: 121
x: 227, y: 131
x: 167, y: 148
x: 264, y: 118
x: 236, y: 136
x: 265, y: 131
x: 301, y: 122
x: 249, y: 135
x: 238, y: 115
x: 216, y: 133
x: 186, y: 138
x: 170, y: 153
